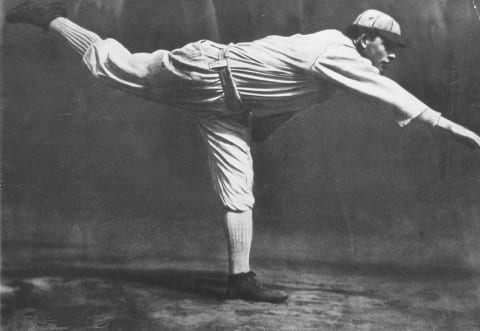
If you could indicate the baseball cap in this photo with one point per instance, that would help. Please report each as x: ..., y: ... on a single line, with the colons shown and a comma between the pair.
x: 383, y: 24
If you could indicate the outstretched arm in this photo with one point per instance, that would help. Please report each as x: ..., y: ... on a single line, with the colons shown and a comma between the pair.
x: 342, y: 65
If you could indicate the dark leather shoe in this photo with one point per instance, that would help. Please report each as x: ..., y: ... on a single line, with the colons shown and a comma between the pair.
x: 244, y: 286
x: 36, y: 13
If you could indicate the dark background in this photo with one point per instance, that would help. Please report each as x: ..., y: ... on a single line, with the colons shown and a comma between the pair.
x: 105, y: 175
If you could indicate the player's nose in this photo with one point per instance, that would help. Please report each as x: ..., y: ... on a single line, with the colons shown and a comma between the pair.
x: 391, y: 56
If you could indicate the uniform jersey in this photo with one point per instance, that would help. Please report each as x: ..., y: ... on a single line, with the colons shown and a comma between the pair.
x: 273, y: 75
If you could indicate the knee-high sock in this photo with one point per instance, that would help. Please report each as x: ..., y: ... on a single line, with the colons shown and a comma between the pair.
x: 238, y: 232
x: 79, y: 38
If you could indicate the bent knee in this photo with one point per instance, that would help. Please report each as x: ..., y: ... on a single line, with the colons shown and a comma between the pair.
x: 238, y: 204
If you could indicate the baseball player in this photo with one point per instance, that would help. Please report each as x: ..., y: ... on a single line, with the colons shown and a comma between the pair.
x: 225, y: 86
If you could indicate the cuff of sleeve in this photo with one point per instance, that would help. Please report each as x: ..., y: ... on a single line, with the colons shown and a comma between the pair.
x: 430, y: 117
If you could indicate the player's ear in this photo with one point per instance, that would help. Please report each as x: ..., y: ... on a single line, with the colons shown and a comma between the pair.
x: 362, y: 40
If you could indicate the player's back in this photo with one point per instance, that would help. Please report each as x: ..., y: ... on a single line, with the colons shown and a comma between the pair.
x: 287, y: 53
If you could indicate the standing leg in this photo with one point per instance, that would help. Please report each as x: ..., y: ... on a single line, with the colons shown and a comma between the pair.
x: 238, y: 228
x: 231, y: 166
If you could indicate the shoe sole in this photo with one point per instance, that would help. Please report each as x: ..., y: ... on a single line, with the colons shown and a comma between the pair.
x: 230, y: 296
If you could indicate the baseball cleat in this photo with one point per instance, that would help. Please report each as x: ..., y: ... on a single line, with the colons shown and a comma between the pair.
x: 36, y: 13
x: 244, y: 286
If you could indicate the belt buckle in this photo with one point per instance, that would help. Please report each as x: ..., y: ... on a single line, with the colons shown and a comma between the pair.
x: 218, y: 64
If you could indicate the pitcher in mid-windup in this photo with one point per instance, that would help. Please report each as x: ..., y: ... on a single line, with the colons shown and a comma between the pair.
x: 229, y: 87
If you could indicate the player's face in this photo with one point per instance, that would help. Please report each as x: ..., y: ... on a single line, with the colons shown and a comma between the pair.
x: 380, y: 52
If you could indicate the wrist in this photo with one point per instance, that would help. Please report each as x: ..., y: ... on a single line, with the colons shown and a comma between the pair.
x: 445, y: 124
x: 429, y: 117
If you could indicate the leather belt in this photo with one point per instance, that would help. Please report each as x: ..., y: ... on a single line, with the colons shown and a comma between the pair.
x: 232, y: 97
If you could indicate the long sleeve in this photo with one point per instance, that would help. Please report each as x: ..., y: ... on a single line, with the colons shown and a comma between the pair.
x: 344, y: 66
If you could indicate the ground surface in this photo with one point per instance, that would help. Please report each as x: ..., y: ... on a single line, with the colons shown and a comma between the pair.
x: 65, y: 293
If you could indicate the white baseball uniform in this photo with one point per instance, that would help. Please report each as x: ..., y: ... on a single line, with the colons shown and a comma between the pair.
x: 273, y: 75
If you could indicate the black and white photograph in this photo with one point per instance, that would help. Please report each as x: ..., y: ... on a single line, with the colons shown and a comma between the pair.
x: 240, y: 165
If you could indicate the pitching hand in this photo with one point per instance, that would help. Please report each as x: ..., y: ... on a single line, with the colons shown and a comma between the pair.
x: 460, y: 133
x: 466, y: 137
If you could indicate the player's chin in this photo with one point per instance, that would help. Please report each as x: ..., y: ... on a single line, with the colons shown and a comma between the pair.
x: 384, y: 67
x: 381, y: 67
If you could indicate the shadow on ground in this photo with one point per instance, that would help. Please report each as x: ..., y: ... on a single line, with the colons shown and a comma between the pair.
x: 144, y: 295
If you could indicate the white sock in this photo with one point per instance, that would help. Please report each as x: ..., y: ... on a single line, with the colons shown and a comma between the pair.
x: 238, y: 232
x: 79, y: 38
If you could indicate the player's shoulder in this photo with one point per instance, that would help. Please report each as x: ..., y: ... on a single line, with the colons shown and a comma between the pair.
x: 332, y: 36
x: 330, y: 40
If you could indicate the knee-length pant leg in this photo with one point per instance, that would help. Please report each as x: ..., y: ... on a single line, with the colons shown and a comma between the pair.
x: 230, y: 160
